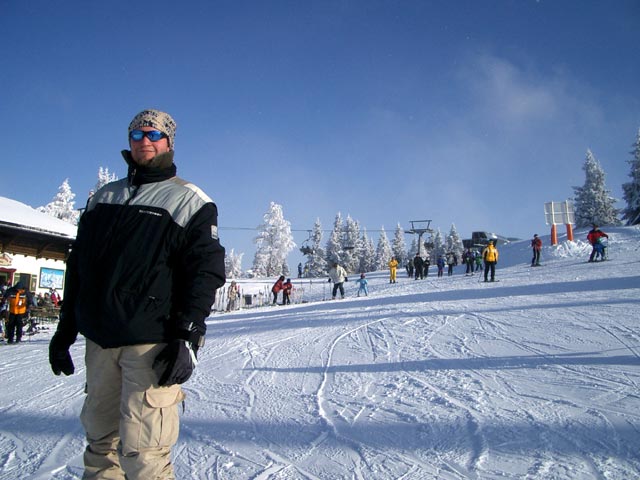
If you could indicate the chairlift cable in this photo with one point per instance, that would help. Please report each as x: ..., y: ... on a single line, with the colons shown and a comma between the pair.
x: 295, y: 229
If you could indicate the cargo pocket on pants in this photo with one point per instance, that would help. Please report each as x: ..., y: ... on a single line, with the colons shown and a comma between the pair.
x: 160, y: 423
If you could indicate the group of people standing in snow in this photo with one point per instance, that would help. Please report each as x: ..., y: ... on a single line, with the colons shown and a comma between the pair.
x: 418, y: 268
x: 336, y: 275
x: 596, y: 238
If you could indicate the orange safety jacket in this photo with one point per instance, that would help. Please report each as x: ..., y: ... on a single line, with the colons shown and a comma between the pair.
x: 18, y: 302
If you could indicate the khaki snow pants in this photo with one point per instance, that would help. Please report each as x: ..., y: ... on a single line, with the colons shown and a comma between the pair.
x: 131, y: 423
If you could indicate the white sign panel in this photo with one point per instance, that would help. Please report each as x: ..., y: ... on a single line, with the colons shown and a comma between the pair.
x: 557, y: 213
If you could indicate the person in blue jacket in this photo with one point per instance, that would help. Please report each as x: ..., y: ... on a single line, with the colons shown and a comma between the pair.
x: 362, y: 285
x: 441, y: 264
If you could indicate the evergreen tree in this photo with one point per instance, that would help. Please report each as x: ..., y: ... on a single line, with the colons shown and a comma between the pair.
x: 233, y: 264
x: 285, y: 269
x: 593, y: 203
x: 62, y: 205
x: 631, y: 213
x: 104, y: 177
x: 454, y: 243
x: 439, y: 247
x: 366, y: 253
x: 399, y: 247
x: 383, y: 251
x: 334, y: 252
x: 370, y: 255
x: 428, y: 245
x: 359, y: 252
x: 413, y: 249
x: 349, y: 240
x: 274, y: 242
x: 316, y: 260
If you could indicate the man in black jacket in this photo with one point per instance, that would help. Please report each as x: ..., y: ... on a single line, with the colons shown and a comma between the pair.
x: 418, y: 265
x: 140, y: 282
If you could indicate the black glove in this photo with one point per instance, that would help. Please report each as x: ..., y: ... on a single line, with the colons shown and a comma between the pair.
x: 175, y: 363
x: 329, y: 280
x: 346, y: 279
x: 59, y: 356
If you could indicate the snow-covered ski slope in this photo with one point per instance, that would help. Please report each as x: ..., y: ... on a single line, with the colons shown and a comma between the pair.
x: 535, y: 377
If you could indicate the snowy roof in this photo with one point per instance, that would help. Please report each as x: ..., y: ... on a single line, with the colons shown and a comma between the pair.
x: 26, y: 218
x: 25, y: 231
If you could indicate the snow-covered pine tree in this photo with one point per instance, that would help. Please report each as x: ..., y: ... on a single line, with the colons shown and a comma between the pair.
x: 104, y: 177
x: 413, y: 249
x: 383, y: 251
x: 371, y: 255
x: 285, y: 269
x: 593, y: 202
x: 358, y: 251
x: 366, y: 253
x: 316, y: 261
x: 274, y: 242
x: 233, y: 264
x: 439, y: 247
x: 399, y: 246
x: 62, y: 205
x: 631, y: 213
x: 454, y: 243
x: 349, y: 240
x: 334, y: 252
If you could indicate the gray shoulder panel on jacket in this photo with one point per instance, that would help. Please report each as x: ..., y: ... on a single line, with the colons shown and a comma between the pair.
x: 179, y: 198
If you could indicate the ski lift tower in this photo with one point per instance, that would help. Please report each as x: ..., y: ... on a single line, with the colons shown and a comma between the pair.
x: 420, y: 227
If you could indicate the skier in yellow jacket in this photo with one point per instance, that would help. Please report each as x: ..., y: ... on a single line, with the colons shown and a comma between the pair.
x: 490, y: 256
x: 393, y: 268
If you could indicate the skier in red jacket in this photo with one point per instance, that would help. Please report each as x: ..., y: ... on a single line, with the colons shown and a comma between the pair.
x: 536, y: 246
x: 276, y: 288
x: 594, y: 237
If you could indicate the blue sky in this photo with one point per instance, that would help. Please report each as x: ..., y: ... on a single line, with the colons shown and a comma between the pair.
x: 467, y: 112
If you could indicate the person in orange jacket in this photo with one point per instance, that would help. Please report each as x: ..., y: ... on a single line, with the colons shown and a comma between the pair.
x: 276, y: 288
x: 19, y: 301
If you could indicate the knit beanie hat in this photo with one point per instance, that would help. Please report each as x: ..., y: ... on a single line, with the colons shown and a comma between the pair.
x: 159, y: 120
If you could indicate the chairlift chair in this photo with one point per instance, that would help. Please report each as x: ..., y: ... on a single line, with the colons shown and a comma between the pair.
x: 305, y: 248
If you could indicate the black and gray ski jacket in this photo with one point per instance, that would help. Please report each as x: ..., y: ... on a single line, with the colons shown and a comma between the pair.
x: 146, y: 261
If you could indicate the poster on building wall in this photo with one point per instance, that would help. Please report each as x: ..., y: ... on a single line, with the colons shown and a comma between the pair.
x: 51, y: 278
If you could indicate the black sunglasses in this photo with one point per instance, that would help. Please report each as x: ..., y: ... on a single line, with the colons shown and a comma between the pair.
x: 153, y: 135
